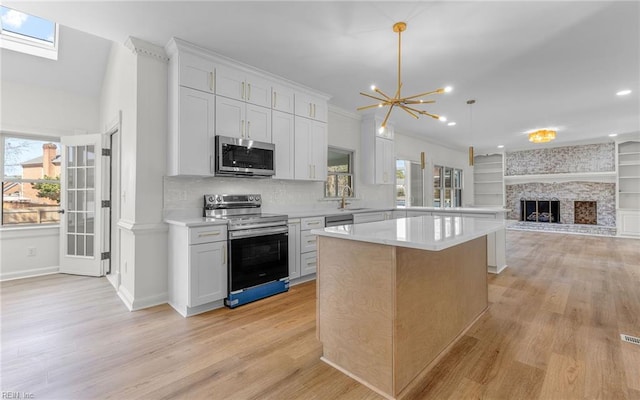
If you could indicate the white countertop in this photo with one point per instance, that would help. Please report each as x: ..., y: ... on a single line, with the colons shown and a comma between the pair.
x: 432, y: 233
x: 196, y: 221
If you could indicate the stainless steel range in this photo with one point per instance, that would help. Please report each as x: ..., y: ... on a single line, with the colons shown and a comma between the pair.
x: 257, y: 246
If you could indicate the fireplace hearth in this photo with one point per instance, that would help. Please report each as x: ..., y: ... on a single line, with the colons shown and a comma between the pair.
x: 540, y: 210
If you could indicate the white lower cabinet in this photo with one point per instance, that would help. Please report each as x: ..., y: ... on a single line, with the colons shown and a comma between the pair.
x: 308, y: 260
x: 369, y: 217
x: 197, y: 268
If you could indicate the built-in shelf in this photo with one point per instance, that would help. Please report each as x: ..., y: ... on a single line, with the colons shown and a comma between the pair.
x: 628, y: 187
x: 488, y: 180
x: 607, y: 177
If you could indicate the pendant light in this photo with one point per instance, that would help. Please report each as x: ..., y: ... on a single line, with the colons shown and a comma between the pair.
x: 471, y: 103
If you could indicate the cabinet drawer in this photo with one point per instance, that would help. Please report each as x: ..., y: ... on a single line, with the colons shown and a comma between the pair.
x: 368, y: 217
x: 307, y: 242
x: 311, y: 223
x: 308, y: 263
x: 207, y: 234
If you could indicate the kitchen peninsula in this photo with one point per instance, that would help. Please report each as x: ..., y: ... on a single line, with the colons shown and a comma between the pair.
x: 394, y: 295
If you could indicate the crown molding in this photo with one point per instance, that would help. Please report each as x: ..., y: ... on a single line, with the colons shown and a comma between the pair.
x: 141, y: 47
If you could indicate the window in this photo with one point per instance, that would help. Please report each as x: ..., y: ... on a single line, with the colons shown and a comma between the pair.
x: 30, y: 180
x: 339, y: 173
x: 28, y: 34
x: 447, y: 186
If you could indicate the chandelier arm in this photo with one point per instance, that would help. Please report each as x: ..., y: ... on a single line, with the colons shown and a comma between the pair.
x: 407, y: 110
x: 368, y: 107
x: 384, y: 123
x: 397, y: 96
x: 374, y: 97
x: 405, y: 101
x: 382, y: 93
x: 424, y: 94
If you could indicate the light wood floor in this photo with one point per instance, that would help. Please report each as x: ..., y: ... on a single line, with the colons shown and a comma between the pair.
x: 552, y: 331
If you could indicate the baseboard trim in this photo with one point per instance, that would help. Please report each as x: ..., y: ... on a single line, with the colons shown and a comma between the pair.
x: 29, y: 273
x: 150, y: 301
x: 492, y: 269
x: 126, y: 297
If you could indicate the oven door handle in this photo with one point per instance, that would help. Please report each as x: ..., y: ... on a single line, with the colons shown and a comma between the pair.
x: 258, y: 232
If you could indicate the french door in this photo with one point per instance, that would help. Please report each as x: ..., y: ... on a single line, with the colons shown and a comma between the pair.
x: 82, y: 218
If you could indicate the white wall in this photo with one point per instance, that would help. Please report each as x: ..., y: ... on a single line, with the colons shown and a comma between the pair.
x: 29, y: 109
x: 135, y: 85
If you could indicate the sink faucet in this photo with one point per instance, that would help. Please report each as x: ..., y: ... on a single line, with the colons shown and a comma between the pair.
x: 343, y: 203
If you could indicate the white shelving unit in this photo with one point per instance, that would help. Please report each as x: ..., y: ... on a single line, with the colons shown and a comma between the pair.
x: 628, y: 185
x: 488, y: 180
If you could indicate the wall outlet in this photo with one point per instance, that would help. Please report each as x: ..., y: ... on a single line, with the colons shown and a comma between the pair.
x: 31, y: 251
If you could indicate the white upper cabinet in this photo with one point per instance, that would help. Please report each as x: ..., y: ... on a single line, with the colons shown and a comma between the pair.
x: 191, y: 141
x: 240, y: 85
x: 378, y: 152
x: 242, y: 120
x: 309, y: 106
x: 283, y: 138
x: 310, y: 150
x: 282, y: 98
x: 196, y: 72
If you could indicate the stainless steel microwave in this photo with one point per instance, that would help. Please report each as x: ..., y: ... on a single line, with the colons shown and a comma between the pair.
x: 244, y: 158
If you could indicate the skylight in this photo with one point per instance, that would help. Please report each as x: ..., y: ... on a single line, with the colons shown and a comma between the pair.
x: 28, y: 34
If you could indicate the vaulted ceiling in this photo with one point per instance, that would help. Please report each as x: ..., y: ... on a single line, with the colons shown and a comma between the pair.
x: 528, y: 64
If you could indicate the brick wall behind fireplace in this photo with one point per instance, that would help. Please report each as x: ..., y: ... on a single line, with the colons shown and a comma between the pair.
x: 567, y: 193
x: 562, y: 160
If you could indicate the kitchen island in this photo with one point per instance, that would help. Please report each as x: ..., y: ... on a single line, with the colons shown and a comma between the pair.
x: 394, y: 295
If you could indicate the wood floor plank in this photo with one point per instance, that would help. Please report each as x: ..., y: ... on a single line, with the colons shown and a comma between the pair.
x: 552, y: 331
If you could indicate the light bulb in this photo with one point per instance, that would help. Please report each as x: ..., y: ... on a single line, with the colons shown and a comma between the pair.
x: 373, y: 88
x: 448, y: 89
x: 381, y: 130
x: 442, y: 118
x: 380, y: 105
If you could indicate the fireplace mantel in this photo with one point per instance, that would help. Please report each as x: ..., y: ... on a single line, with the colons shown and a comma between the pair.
x: 606, y: 177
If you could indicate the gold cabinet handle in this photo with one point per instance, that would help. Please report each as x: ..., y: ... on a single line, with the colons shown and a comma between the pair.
x: 275, y: 100
x: 211, y: 82
x: 242, y: 128
x: 209, y: 234
x: 249, y: 92
x: 242, y: 91
x: 224, y: 254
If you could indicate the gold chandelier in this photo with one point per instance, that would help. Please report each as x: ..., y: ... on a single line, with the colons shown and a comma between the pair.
x: 542, y: 136
x: 405, y: 103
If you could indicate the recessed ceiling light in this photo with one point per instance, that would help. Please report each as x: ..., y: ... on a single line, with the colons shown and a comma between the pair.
x: 623, y: 92
x: 613, y: 134
x: 451, y: 123
x: 501, y: 146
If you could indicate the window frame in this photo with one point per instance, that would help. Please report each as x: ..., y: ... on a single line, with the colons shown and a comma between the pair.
x: 31, y: 45
x: 454, y: 187
x: 351, y: 174
x: 4, y: 135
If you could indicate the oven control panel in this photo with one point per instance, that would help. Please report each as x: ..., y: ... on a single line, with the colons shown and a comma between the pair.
x: 215, y: 201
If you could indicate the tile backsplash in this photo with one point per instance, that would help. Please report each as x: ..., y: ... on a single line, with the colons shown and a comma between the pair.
x: 183, y: 195
x: 557, y: 160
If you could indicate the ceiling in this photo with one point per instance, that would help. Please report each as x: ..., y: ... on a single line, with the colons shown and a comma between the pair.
x: 528, y: 64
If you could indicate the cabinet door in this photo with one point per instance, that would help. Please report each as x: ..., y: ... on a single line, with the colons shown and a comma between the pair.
x: 384, y: 161
x: 258, y: 123
x: 320, y: 110
x: 309, y: 106
x: 308, y: 263
x: 230, y: 83
x: 282, y: 99
x: 194, y: 145
x: 208, y: 273
x: 368, y: 217
x: 282, y: 138
x: 294, y: 250
x: 302, y: 143
x: 318, y: 151
x: 258, y: 90
x: 230, y: 117
x: 196, y: 72
x: 307, y: 241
